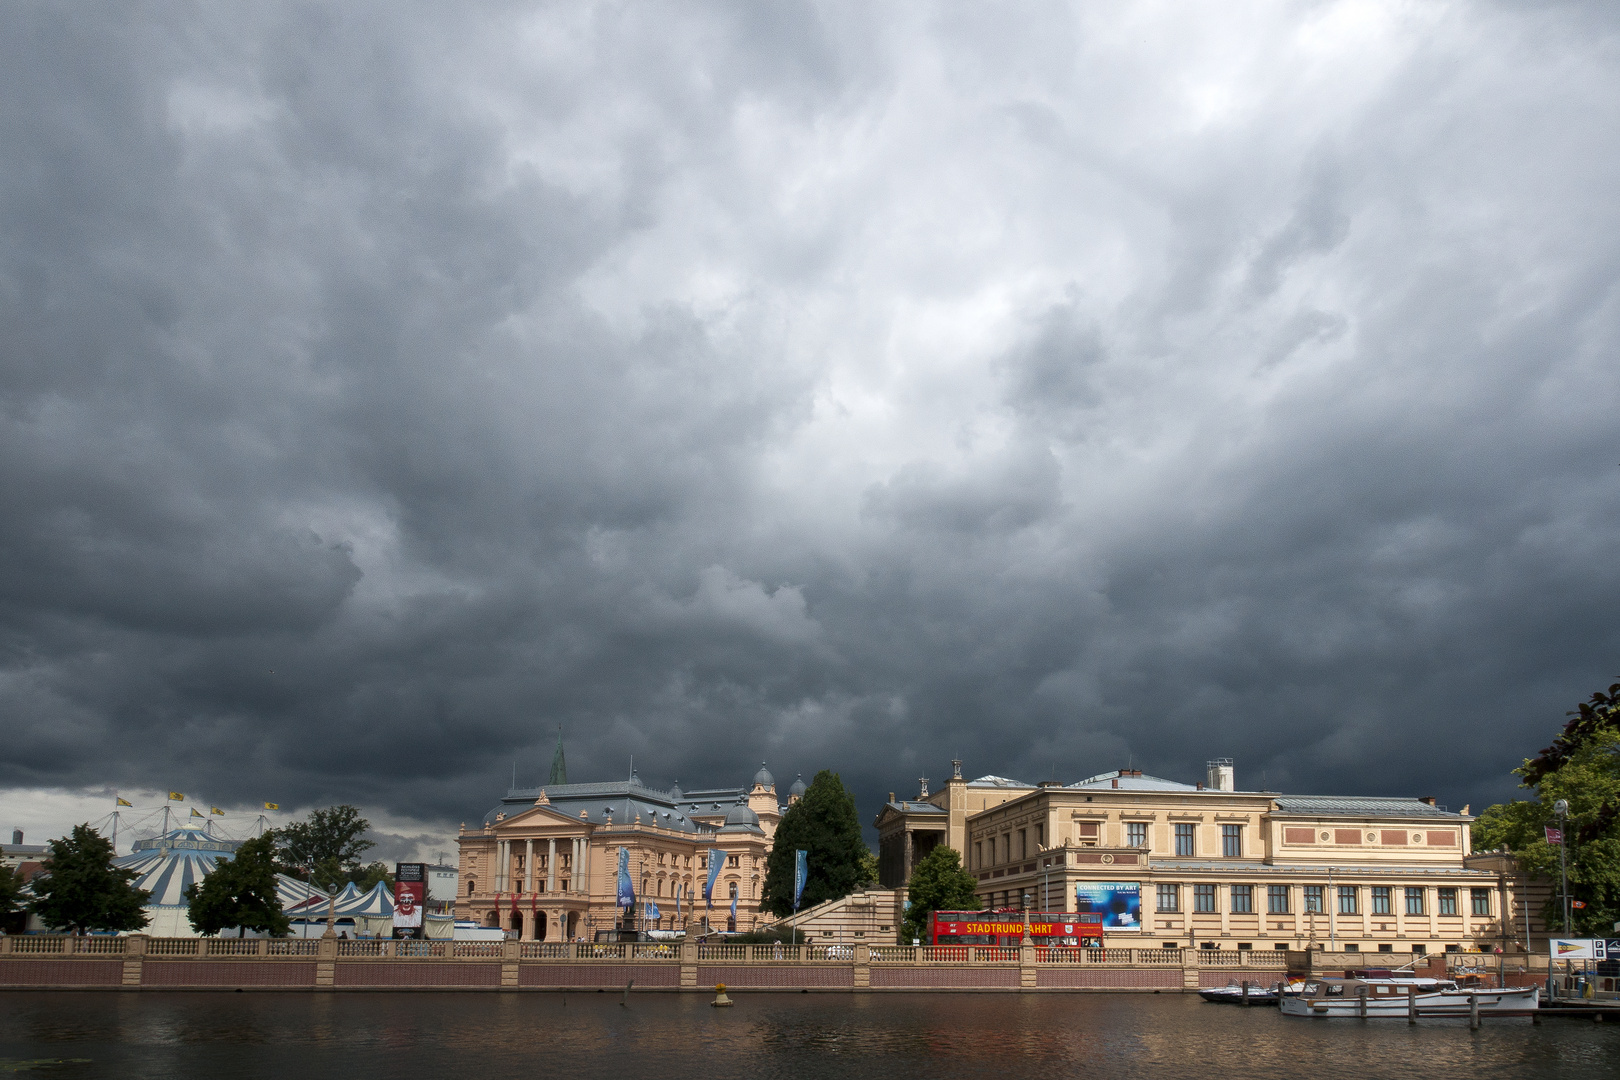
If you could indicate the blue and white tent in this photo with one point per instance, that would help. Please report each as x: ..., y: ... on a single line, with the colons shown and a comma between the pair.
x: 170, y: 864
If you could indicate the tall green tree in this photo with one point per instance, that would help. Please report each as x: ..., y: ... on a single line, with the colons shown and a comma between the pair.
x: 1582, y: 766
x: 240, y: 892
x: 366, y: 878
x: 938, y: 883
x: 11, y: 884
x: 824, y: 824
x: 324, y: 849
x: 78, y: 888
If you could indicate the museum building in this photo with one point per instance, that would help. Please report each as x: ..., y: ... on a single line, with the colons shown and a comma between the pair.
x: 544, y: 860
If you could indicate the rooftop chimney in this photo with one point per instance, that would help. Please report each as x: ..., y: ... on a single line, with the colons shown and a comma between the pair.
x: 1116, y: 781
x: 1219, y: 776
x: 1429, y: 799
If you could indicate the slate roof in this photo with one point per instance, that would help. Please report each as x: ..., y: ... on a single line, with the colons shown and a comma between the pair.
x: 908, y: 807
x: 621, y: 801
x: 1334, y: 805
x: 1130, y: 782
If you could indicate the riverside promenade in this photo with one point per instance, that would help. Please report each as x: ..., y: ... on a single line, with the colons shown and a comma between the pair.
x: 138, y: 962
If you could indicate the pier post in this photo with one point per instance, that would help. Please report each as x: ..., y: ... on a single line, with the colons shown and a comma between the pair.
x: 1411, y: 1004
x: 1245, y: 985
x: 1473, y: 1011
x: 1361, y: 1002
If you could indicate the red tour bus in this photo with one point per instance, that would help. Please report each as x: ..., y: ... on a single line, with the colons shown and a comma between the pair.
x: 1006, y: 928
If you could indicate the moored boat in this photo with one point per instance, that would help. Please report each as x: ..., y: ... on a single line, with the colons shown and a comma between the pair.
x: 1398, y: 996
x: 1257, y: 994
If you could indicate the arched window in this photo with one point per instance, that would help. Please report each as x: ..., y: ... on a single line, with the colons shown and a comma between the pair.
x: 472, y: 886
x: 734, y: 890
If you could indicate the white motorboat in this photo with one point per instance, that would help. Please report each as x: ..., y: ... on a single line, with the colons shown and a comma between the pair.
x: 1396, y: 996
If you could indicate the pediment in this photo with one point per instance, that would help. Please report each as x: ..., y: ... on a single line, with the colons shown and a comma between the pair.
x: 540, y: 817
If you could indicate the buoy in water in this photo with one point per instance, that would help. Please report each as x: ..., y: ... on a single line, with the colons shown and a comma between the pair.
x: 720, y: 1000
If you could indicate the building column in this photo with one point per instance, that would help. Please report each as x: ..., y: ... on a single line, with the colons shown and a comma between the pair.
x: 501, y: 865
x: 551, y: 866
x: 905, y: 862
x: 528, y: 866
x: 527, y: 933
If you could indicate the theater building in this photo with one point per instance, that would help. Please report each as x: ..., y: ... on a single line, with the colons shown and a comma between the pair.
x: 908, y: 829
x: 544, y: 861
x: 1205, y: 865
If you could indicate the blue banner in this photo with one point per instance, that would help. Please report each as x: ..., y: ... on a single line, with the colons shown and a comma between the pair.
x: 801, y: 869
x: 1119, y: 902
x: 717, y: 859
x: 627, y: 892
x: 734, y: 912
x: 678, y: 888
x: 651, y: 908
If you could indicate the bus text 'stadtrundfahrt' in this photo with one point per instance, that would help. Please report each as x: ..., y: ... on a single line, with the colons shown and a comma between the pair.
x: 1006, y: 928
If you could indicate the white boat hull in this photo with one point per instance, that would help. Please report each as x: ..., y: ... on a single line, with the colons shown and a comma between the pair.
x: 1512, y: 1002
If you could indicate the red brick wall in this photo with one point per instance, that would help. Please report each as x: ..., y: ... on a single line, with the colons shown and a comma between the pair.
x: 943, y: 978
x: 766, y: 977
x: 227, y: 973
x: 61, y: 972
x: 604, y: 975
x: 416, y: 974
x: 1107, y: 978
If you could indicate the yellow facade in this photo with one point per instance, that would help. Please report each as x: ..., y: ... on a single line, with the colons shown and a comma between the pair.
x: 1234, y: 869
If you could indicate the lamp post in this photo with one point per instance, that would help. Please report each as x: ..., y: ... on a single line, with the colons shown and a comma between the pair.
x: 1561, y: 808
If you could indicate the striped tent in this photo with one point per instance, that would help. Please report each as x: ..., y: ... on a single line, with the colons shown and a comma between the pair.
x: 294, y: 894
x: 170, y: 864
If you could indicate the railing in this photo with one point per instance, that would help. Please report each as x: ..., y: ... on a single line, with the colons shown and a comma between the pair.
x: 479, y: 948
x: 232, y: 946
x: 408, y: 947
x: 656, y: 951
x: 102, y: 945
x: 38, y: 943
x: 291, y: 947
x: 722, y: 952
x: 896, y: 954
x: 1159, y: 956
x: 173, y: 946
x: 540, y: 950
x: 360, y: 948
x: 1251, y: 958
x: 604, y: 951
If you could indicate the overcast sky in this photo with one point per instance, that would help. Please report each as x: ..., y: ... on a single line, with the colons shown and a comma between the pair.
x: 1057, y: 387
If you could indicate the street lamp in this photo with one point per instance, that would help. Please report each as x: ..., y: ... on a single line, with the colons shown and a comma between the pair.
x: 1561, y: 808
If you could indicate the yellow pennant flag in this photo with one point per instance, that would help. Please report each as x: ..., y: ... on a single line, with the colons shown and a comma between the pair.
x: 272, y: 806
x: 175, y: 796
x: 216, y: 810
x: 121, y: 802
x: 195, y: 812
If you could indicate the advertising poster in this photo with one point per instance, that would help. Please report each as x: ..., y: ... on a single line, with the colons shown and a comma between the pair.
x: 410, y: 893
x: 1119, y: 902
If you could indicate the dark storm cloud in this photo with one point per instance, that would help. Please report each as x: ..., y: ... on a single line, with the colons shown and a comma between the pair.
x: 381, y: 388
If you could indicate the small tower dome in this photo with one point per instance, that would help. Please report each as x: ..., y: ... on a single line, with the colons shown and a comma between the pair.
x: 763, y: 778
x: 797, y: 790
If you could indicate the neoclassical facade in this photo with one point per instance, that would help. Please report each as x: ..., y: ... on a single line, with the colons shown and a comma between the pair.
x: 1217, y: 867
x: 544, y: 861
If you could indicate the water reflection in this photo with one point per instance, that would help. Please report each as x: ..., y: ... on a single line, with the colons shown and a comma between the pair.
x: 361, y: 1036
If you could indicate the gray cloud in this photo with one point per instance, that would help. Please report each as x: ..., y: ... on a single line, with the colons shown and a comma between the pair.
x: 381, y: 388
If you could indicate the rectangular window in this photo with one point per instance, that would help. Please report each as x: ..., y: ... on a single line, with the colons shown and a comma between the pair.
x: 1313, y: 900
x: 1347, y: 899
x: 1169, y: 897
x: 1380, y: 899
x: 1184, y: 840
x: 978, y: 853
x: 1040, y: 835
x: 1242, y: 899
x: 1482, y: 901
x: 1136, y: 834
x: 1232, y: 841
x: 1414, y: 900
x: 1023, y: 844
x: 1277, y: 899
x: 1204, y: 898
x: 1448, y: 901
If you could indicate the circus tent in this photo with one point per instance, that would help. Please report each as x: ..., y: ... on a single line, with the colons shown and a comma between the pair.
x: 171, y: 863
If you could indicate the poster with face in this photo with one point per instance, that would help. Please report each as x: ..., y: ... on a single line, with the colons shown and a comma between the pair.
x: 408, y: 899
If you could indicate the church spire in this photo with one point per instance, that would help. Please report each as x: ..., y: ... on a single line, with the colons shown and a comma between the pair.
x: 559, y: 767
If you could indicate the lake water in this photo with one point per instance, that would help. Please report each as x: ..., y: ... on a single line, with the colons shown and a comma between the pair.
x: 360, y: 1036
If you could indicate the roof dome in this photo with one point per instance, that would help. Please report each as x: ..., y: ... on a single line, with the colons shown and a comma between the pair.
x: 798, y: 787
x: 741, y: 815
x: 763, y: 778
x: 675, y: 792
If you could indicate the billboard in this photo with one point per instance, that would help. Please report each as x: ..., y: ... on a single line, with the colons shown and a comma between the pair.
x: 1119, y: 902
x: 410, y: 893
